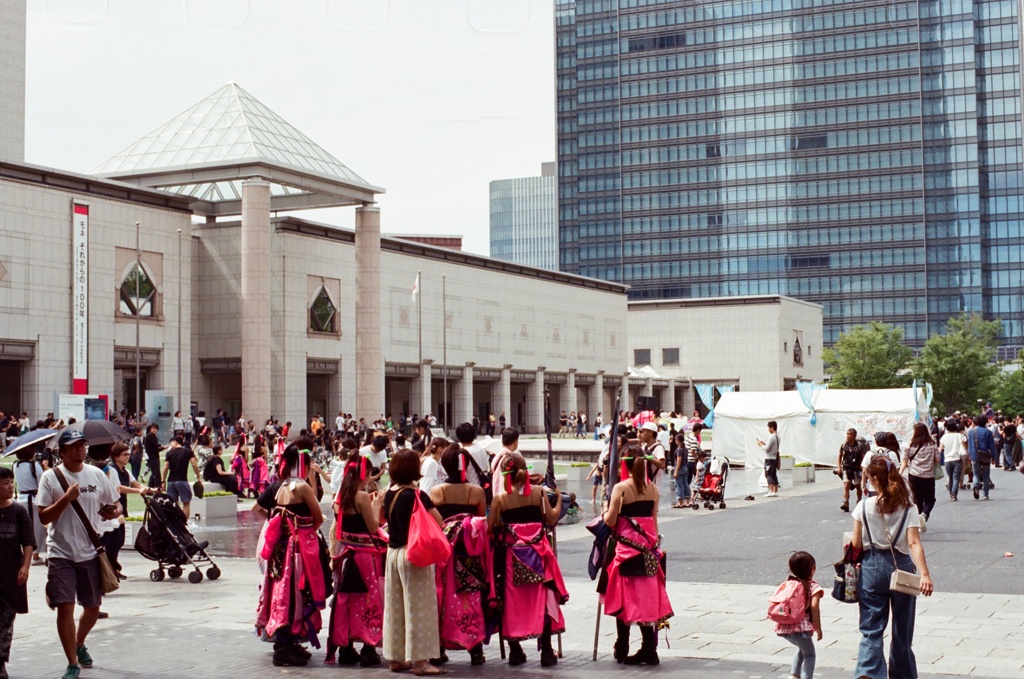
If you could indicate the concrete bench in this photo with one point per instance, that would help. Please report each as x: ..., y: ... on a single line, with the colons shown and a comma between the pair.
x: 213, y: 487
x: 216, y: 507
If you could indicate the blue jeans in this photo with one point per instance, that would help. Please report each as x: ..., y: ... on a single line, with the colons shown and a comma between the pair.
x: 954, y: 476
x: 803, y: 661
x: 682, y: 487
x: 876, y: 600
x: 1007, y: 456
x: 982, y: 477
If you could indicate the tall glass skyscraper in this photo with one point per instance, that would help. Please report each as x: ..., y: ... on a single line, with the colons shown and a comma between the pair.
x: 524, y: 219
x: 862, y: 154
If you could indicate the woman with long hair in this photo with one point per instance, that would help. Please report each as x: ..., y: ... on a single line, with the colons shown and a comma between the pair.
x: 240, y: 465
x: 410, y: 597
x: 463, y: 583
x: 431, y: 472
x: 258, y: 471
x: 635, y: 592
x: 294, y: 583
x: 921, y: 458
x: 885, y: 527
x: 357, y: 613
x: 528, y: 579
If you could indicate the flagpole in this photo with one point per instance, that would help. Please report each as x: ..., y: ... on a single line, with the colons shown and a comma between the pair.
x: 444, y: 343
x: 419, y: 300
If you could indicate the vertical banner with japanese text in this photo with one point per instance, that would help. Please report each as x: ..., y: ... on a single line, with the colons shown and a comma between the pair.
x: 80, y: 299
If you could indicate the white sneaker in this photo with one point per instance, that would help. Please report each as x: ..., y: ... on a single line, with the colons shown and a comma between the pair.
x: 775, y: 494
x: 768, y: 494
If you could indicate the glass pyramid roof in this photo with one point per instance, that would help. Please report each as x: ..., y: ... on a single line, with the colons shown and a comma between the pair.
x: 227, y: 127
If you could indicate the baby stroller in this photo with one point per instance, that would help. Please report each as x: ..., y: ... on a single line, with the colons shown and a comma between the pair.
x: 712, y: 488
x: 166, y: 539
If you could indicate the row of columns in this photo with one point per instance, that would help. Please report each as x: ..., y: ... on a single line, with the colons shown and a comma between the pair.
x: 262, y: 394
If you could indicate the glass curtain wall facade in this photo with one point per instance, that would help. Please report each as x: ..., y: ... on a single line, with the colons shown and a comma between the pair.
x: 524, y: 221
x: 862, y: 154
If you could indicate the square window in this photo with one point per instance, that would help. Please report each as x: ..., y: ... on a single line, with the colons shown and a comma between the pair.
x: 670, y: 356
x: 641, y: 357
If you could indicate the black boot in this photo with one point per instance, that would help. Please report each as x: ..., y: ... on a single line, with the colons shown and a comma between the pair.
x: 476, y: 655
x: 516, y: 656
x: 439, y: 660
x: 547, y: 654
x: 621, y: 641
x: 347, y: 655
x: 648, y: 653
x: 368, y: 657
x: 289, y: 656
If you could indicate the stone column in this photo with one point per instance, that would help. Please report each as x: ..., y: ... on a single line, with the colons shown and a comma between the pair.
x: 625, y: 404
x: 535, y: 404
x: 257, y: 342
x: 369, y: 359
x: 669, y: 403
x: 421, y: 389
x: 689, y: 399
x: 463, y: 406
x: 596, y: 399
x: 648, y: 387
x: 570, y: 387
x: 501, y: 394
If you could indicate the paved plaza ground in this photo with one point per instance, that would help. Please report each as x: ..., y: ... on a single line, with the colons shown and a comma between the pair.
x: 722, y: 567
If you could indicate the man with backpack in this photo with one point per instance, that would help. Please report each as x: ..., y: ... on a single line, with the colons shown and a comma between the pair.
x: 848, y: 468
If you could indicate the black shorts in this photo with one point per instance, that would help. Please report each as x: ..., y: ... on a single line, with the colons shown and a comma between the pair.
x: 68, y: 581
x: 851, y: 474
x: 771, y: 468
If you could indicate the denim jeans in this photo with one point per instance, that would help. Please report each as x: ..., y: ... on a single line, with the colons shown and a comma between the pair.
x: 982, y: 477
x: 954, y: 476
x: 682, y: 487
x: 876, y: 600
x: 1008, y: 456
x: 803, y: 661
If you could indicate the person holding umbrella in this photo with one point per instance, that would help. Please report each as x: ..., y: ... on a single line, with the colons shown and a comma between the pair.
x: 27, y: 472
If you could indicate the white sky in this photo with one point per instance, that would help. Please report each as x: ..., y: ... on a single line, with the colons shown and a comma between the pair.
x: 430, y: 99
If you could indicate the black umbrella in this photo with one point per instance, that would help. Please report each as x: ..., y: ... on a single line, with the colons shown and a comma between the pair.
x: 100, y: 432
x: 30, y: 439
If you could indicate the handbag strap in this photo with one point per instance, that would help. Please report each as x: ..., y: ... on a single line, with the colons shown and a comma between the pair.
x: 899, y: 531
x: 81, y: 512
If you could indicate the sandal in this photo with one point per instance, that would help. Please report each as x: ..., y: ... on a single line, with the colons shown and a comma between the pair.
x: 400, y: 666
x: 430, y: 670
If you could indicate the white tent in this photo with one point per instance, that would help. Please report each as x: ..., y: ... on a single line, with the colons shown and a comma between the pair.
x: 741, y: 419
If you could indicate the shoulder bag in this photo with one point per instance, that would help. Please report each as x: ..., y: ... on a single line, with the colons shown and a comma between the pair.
x: 984, y: 456
x: 844, y: 584
x: 108, y: 578
x: 901, y: 581
x: 485, y: 479
x: 427, y: 544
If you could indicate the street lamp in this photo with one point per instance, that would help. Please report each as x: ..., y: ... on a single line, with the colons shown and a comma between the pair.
x: 179, y: 321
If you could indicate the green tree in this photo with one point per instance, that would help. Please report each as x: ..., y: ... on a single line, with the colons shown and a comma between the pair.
x: 960, y: 364
x: 1009, y: 392
x: 869, y: 356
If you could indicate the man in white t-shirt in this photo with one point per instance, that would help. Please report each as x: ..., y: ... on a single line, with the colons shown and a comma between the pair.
x: 649, y: 440
x: 74, y: 572
x: 377, y: 451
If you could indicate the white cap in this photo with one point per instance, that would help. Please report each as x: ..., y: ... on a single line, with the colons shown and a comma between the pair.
x: 650, y: 426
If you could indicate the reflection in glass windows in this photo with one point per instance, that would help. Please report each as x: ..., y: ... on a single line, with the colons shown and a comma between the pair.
x: 137, y: 293
x: 323, y: 315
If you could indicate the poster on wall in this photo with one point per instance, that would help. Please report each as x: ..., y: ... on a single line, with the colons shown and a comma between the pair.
x: 80, y: 299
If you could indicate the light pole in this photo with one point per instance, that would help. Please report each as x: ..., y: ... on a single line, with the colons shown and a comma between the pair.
x: 180, y: 407
x: 444, y: 345
x: 138, y: 274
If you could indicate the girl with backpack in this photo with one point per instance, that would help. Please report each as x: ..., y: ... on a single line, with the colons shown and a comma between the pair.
x: 795, y: 610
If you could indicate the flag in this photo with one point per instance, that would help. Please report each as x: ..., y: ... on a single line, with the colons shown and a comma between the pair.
x: 416, y: 287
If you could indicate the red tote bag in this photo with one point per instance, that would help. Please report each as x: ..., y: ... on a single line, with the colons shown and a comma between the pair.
x: 427, y: 544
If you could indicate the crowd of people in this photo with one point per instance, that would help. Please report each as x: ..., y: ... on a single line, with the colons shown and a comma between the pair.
x: 389, y: 482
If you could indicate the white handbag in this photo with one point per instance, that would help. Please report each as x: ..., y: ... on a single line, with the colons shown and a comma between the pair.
x: 903, y: 582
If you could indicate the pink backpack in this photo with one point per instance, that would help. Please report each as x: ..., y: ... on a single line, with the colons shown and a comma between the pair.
x: 788, y: 605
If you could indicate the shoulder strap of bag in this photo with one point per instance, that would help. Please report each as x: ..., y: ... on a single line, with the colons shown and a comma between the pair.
x: 394, y: 500
x: 484, y: 480
x: 81, y: 512
x: 867, y: 527
x: 899, y: 531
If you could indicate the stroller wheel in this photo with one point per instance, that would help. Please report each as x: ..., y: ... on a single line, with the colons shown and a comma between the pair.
x: 711, y: 507
x: 696, y: 507
x: 195, y: 577
x: 156, y: 575
x: 212, y: 572
x: 175, y: 572
x: 721, y: 505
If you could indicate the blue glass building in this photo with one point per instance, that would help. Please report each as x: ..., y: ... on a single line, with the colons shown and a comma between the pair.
x: 862, y: 154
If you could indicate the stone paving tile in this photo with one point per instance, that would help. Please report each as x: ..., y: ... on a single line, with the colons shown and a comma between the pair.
x: 173, y: 629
